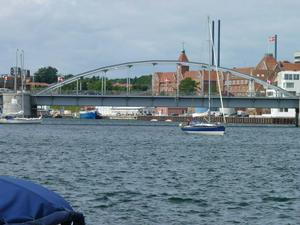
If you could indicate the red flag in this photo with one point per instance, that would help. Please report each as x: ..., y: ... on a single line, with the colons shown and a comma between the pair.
x: 272, y: 39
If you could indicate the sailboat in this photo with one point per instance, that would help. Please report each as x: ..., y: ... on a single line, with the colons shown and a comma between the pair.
x: 20, y: 120
x: 207, y: 128
x: 18, y: 117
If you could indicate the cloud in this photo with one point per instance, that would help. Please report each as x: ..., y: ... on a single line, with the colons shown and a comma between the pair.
x: 78, y: 35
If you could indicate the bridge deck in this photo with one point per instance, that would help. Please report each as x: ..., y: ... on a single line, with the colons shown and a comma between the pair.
x: 165, y: 101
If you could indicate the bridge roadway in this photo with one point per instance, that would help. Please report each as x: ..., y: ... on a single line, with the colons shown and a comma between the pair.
x: 168, y: 101
x: 164, y: 101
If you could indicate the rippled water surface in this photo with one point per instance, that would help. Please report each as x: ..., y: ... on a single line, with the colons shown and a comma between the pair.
x: 133, y: 172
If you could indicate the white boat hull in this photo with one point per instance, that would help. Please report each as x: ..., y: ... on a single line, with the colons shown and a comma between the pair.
x: 214, y: 133
x: 21, y: 121
x: 204, y: 129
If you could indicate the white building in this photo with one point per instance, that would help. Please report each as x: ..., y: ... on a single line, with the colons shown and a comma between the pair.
x: 124, y: 111
x: 297, y: 57
x: 290, y: 81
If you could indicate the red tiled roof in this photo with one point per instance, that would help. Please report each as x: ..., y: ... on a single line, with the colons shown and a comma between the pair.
x: 262, y: 74
x: 246, y: 70
x: 183, y: 57
x: 171, y: 76
x: 196, y: 75
x: 267, y: 63
x: 166, y: 76
x: 284, y: 66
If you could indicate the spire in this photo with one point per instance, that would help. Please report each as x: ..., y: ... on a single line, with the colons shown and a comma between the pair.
x: 182, y: 57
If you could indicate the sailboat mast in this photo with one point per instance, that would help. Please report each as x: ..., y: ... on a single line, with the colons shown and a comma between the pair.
x: 209, y: 62
x: 22, y: 81
x: 16, y: 71
x: 217, y: 72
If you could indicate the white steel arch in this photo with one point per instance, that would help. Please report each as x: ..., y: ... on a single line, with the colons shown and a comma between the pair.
x: 125, y: 65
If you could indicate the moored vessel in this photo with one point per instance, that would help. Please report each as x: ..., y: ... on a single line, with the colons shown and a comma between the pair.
x: 90, y: 114
x: 208, y: 128
x: 20, y: 120
x: 204, y: 128
x: 19, y: 117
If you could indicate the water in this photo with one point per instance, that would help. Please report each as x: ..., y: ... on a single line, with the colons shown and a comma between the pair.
x: 133, y: 172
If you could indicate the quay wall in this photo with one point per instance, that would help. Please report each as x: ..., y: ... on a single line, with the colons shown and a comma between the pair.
x: 240, y: 120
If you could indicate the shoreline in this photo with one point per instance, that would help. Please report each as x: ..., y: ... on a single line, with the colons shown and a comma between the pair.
x: 233, y: 120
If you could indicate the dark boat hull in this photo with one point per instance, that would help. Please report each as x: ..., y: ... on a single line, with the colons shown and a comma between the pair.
x: 204, y: 130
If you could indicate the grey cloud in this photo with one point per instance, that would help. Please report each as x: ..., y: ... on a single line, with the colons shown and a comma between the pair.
x: 75, y: 36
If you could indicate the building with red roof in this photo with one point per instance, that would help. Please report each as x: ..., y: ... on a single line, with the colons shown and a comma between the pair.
x: 268, y: 69
x: 165, y: 83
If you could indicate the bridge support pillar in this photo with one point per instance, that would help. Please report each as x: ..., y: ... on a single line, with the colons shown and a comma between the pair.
x: 34, y: 111
x: 251, y: 88
x: 298, y: 115
x: 14, y: 103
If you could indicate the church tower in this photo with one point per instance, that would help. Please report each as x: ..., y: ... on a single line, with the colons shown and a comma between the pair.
x: 183, y: 67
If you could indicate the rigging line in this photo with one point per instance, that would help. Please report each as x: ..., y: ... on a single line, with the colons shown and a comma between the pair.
x: 218, y: 77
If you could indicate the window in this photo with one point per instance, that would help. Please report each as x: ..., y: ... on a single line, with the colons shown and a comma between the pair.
x: 286, y: 76
x: 296, y: 76
x: 289, y: 76
x: 284, y: 110
x: 289, y: 85
x: 228, y: 82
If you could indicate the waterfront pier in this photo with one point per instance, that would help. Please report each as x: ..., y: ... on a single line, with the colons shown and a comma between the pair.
x: 55, y: 95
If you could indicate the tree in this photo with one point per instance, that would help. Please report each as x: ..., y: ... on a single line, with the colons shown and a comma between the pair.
x: 188, y: 86
x: 46, y: 75
x: 142, y: 83
x: 68, y: 76
x: 94, y: 84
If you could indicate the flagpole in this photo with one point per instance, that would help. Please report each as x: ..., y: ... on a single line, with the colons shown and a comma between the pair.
x: 275, y: 47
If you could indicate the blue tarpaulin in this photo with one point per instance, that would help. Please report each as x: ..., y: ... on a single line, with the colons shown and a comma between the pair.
x: 25, y: 203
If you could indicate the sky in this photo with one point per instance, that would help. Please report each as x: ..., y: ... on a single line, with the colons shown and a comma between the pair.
x: 79, y: 35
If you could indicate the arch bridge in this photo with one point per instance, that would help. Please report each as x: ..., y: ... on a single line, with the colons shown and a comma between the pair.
x: 54, y: 94
x: 103, y: 71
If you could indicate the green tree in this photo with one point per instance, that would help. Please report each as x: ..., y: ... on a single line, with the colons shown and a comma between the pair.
x: 68, y: 76
x: 109, y: 85
x: 94, y: 84
x: 46, y: 75
x: 71, y: 86
x: 142, y: 83
x: 188, y: 86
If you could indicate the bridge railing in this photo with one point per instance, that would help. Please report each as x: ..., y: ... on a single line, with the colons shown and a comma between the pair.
x: 105, y: 73
x: 149, y: 93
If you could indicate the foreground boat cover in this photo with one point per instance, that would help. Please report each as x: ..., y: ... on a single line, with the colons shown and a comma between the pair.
x: 25, y: 203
